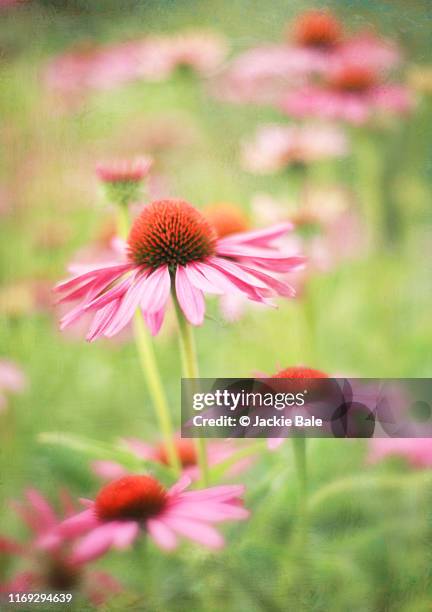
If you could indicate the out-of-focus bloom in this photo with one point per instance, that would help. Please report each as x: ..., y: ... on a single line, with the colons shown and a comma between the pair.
x: 217, y: 452
x: 226, y: 219
x: 123, y: 179
x: 12, y: 380
x: 277, y: 146
x: 125, y: 506
x: 47, y: 556
x: 416, y: 451
x: 124, y: 171
x: 89, y: 67
x: 299, y: 373
x: 352, y: 93
x: 172, y: 246
x: 371, y: 51
x: 202, y: 52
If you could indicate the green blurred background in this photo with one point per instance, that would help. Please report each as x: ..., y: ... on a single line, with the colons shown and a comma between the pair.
x: 371, y: 317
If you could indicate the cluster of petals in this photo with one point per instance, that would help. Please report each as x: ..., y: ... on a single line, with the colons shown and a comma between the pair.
x: 241, y: 264
x: 357, y: 106
x: 416, y: 451
x: 97, y: 67
x: 166, y: 515
x: 123, y: 170
x: 46, y: 556
x: 275, y: 147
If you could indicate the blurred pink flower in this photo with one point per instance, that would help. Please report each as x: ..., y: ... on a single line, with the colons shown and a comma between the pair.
x: 277, y: 146
x: 12, y: 380
x: 171, y: 244
x: 217, y: 452
x: 47, y: 554
x: 123, y: 170
x: 416, y: 451
x: 352, y: 93
x: 369, y: 50
x: 124, y: 507
x: 202, y: 52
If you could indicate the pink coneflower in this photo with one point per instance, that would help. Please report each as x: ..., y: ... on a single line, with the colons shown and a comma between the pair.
x: 46, y: 556
x: 124, y: 171
x: 127, y: 505
x: 171, y: 246
x: 202, y: 52
x: 12, y: 380
x: 276, y: 147
x: 352, y: 93
x: 217, y: 452
x: 416, y: 451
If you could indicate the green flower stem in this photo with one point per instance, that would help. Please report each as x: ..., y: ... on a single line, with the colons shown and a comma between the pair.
x: 149, y: 366
x: 122, y: 221
x: 190, y: 370
x: 299, y: 448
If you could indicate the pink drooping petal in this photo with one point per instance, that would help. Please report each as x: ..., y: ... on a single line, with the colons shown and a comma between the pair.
x: 44, y: 514
x: 259, y: 238
x: 109, y: 296
x: 222, y: 493
x: 154, y: 320
x: 156, y: 290
x: 210, y: 511
x: 95, y: 544
x: 125, y: 533
x: 199, y: 281
x: 10, y: 547
x: 217, y: 278
x: 190, y: 298
x: 102, y: 320
x: 161, y: 534
x: 79, y: 524
x: 196, y: 531
x: 237, y: 271
x: 183, y: 483
x: 278, y: 286
x: 250, y: 291
x: 128, y: 305
x: 107, y: 273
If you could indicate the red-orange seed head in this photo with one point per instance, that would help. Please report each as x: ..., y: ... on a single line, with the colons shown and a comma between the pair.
x: 300, y: 372
x: 186, y: 453
x: 319, y: 29
x: 227, y: 219
x: 353, y: 79
x: 130, y: 498
x: 170, y: 232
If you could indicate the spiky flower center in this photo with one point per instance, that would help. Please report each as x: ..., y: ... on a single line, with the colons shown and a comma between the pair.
x: 186, y: 453
x: 227, y: 219
x: 170, y: 232
x: 130, y: 498
x: 353, y: 79
x: 300, y: 372
x: 317, y: 29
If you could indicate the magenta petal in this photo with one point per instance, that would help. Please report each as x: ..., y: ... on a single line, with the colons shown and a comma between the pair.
x: 191, y: 300
x: 125, y: 533
x: 102, y: 320
x: 180, y: 486
x: 108, y: 470
x: 154, y: 320
x: 196, y: 531
x: 128, y: 305
x: 78, y: 524
x: 156, y: 290
x: 236, y: 270
x: 42, y: 510
x: 161, y: 534
x: 210, y: 511
x: 199, y: 281
x: 95, y: 544
x: 257, y: 237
